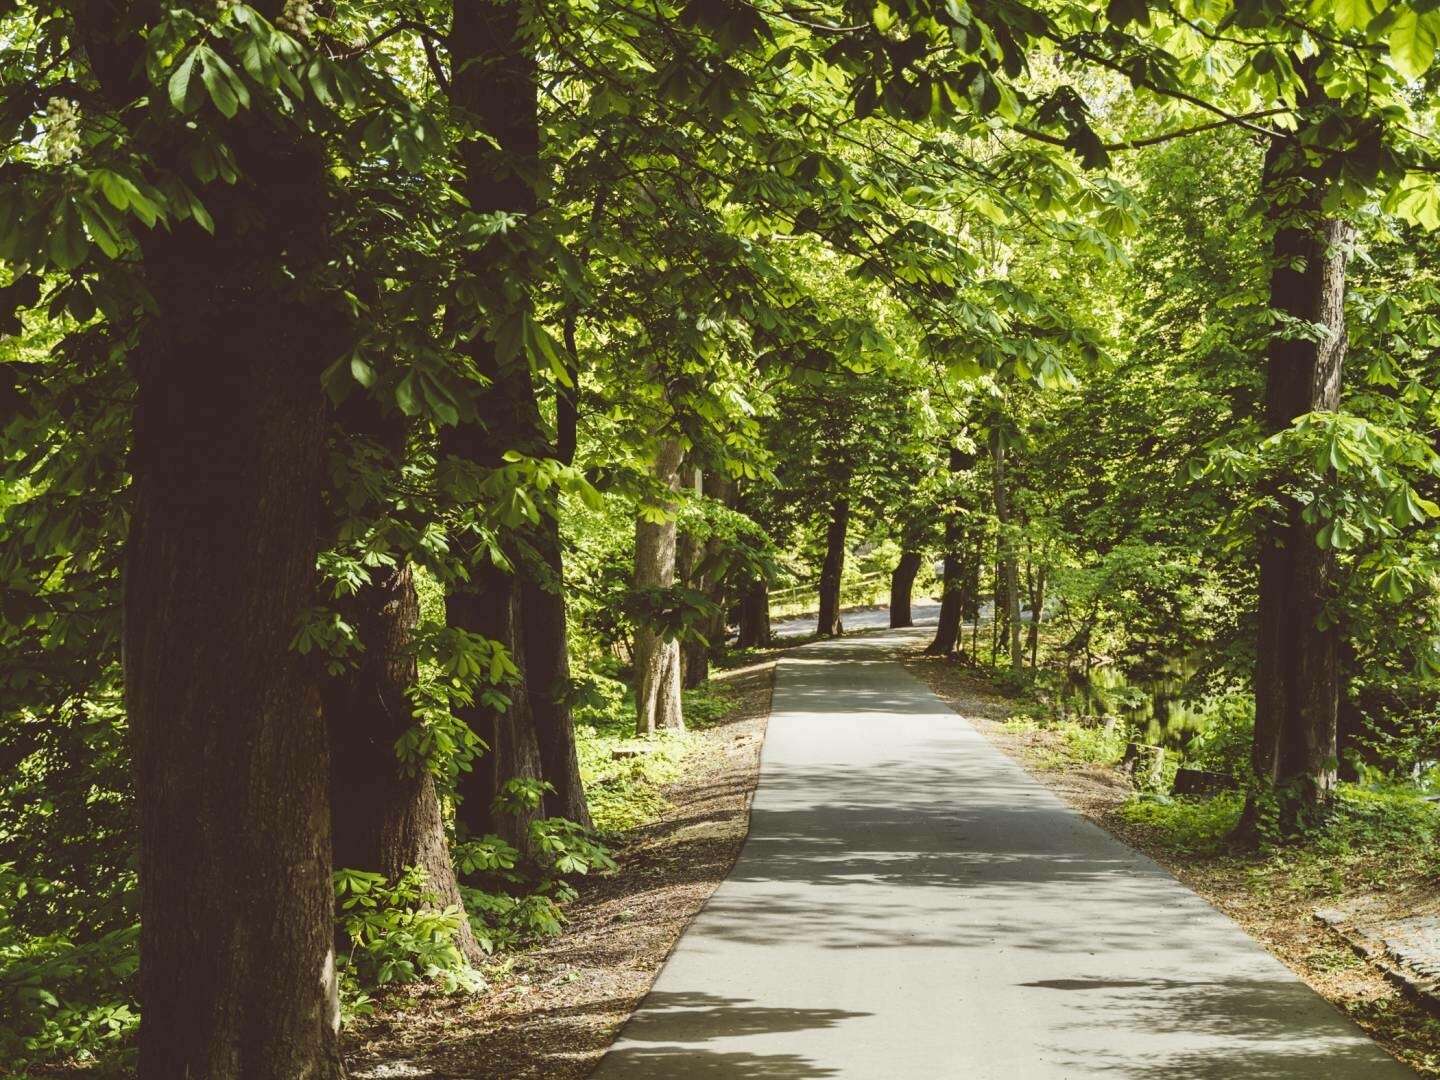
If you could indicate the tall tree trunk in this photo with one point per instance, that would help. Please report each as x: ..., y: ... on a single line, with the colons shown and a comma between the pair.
x: 689, y: 554
x: 657, y: 657
x: 695, y: 655
x: 1009, y: 577
x: 386, y: 817
x: 1296, y: 682
x: 229, y: 749
x: 833, y: 569
x: 230, y: 756
x: 547, y: 673
x: 490, y: 605
x: 952, y: 596
x: 754, y: 631
x: 1036, y: 579
x: 495, y: 81
x: 902, y: 585
x: 947, y: 631
x: 973, y: 597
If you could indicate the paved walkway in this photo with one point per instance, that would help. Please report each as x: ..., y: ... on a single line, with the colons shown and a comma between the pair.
x: 910, y: 904
x: 924, y: 611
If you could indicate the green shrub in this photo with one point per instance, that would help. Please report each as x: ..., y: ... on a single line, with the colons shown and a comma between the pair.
x: 1183, y: 823
x: 625, y: 774
x: 707, y: 704
x: 64, y: 999
x: 521, y: 898
x: 1224, y: 742
x: 396, y: 933
x: 1098, y: 744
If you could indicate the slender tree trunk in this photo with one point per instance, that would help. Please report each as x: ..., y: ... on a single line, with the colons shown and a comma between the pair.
x: 1009, y: 586
x: 490, y: 605
x: 902, y: 585
x: 754, y: 630
x: 1296, y: 681
x: 696, y: 655
x: 657, y: 658
x: 690, y: 551
x: 975, y: 617
x: 1037, y: 581
x: 833, y: 569
x: 998, y: 609
x: 386, y: 817
x: 495, y: 81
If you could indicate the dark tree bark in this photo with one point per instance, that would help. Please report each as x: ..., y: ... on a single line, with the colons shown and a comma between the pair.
x: 971, y: 592
x: 902, y: 584
x: 947, y: 630
x: 495, y: 81
x: 832, y: 570
x: 228, y: 743
x: 1296, y: 681
x: 1008, y: 584
x: 695, y: 655
x: 952, y: 596
x: 547, y: 673
x: 1036, y: 579
x: 657, y: 658
x: 490, y: 605
x: 754, y: 630
x: 386, y: 817
x: 230, y: 756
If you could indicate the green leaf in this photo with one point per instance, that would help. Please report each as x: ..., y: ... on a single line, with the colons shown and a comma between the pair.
x: 363, y: 372
x: 68, y: 245
x: 1412, y: 42
x: 227, y: 90
x: 1348, y: 14
x: 405, y: 396
x: 1417, y: 200
x: 181, y: 96
x: 101, y: 229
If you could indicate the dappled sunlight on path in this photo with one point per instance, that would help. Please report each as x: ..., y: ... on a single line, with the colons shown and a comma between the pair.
x: 911, y: 904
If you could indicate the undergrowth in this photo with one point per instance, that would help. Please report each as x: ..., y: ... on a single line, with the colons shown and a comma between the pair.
x: 1377, y: 836
x: 625, y: 774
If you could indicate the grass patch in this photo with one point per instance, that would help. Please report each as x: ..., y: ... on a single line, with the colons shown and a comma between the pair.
x: 1078, y: 743
x: 625, y: 774
x: 1186, y: 825
x: 1376, y: 839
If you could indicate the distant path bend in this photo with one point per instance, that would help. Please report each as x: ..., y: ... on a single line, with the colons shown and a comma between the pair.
x: 910, y: 904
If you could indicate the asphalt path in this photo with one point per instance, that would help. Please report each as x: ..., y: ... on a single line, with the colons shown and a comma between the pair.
x: 910, y: 903
x: 924, y: 611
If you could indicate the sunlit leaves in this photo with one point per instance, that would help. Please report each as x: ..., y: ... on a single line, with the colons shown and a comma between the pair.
x: 1412, y: 37
x: 1417, y: 200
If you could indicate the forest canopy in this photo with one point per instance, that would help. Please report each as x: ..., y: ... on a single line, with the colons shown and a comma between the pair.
x: 394, y: 395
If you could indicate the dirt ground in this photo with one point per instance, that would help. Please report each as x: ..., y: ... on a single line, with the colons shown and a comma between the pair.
x: 1287, y: 929
x: 553, y: 1011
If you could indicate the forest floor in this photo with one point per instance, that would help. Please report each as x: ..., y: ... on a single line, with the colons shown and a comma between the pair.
x: 552, y: 1011
x: 1273, y: 897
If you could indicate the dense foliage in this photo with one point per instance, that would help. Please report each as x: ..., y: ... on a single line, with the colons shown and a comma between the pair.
x: 399, y: 404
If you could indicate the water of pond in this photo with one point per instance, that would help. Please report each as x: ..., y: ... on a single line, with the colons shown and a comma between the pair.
x: 1157, y: 711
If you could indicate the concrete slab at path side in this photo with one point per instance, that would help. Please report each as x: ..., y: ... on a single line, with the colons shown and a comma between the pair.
x: 911, y: 904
